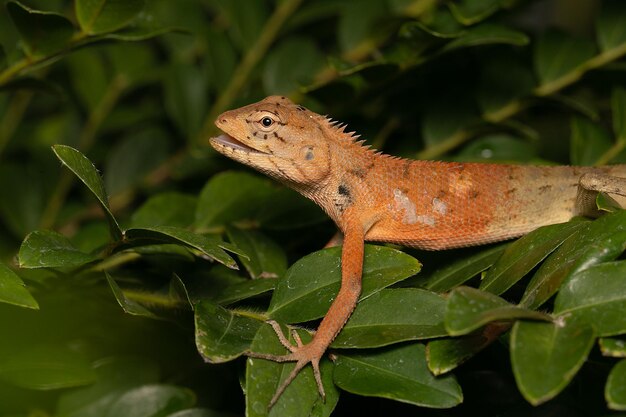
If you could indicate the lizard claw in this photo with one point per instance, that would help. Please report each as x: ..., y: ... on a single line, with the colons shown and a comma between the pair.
x: 301, y: 354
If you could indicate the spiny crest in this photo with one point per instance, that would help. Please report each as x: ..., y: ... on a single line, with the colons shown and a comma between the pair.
x: 353, y: 139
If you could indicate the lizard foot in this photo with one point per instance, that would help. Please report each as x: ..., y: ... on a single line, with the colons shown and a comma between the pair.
x: 301, y: 354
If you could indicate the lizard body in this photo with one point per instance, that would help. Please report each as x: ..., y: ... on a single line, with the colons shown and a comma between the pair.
x: 376, y: 197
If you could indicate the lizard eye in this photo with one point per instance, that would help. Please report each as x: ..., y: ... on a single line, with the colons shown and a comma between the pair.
x: 266, y: 122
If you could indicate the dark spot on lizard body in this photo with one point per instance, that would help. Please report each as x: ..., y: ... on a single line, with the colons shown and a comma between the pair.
x: 344, y: 197
x: 545, y: 188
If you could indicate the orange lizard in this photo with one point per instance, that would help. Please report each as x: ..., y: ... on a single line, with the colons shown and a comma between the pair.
x: 376, y: 197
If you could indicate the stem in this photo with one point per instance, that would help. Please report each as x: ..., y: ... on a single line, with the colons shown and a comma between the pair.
x: 249, y: 62
x: 115, y: 260
x: 611, y: 153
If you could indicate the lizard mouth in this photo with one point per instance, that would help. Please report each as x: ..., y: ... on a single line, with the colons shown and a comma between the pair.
x: 227, y: 141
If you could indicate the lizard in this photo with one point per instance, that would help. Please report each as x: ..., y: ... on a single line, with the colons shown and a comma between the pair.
x: 372, y: 196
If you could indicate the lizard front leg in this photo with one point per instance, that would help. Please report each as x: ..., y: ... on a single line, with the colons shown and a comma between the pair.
x: 333, y: 321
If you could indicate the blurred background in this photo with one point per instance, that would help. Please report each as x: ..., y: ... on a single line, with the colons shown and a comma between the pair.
x: 136, y: 90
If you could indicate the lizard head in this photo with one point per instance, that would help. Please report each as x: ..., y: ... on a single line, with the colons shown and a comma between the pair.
x: 277, y: 137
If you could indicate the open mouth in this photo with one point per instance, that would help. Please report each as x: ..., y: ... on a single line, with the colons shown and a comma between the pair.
x: 228, y: 141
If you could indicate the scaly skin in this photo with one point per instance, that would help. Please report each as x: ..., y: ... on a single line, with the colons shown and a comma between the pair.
x: 376, y: 197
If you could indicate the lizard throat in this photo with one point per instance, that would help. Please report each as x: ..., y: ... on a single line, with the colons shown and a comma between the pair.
x: 229, y: 142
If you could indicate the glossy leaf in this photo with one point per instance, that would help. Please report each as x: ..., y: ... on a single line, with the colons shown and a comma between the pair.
x: 588, y: 141
x: 613, y: 346
x: 300, y: 397
x: 602, y: 240
x: 266, y: 259
x: 101, y: 16
x: 546, y: 356
x: 443, y: 355
x: 611, y: 33
x: 223, y: 335
x: 231, y: 196
x: 310, y: 285
x: 392, y: 316
x: 460, y: 270
x: 185, y: 98
x: 152, y: 400
x: 129, y: 305
x: 615, y: 390
x: 43, y: 33
x: 48, y: 249
x: 13, y: 291
x: 166, y: 209
x: 521, y: 256
x: 469, y: 309
x: 398, y: 373
x: 46, y: 367
x: 556, y: 54
x: 84, y: 169
x: 208, y: 246
x: 601, y: 306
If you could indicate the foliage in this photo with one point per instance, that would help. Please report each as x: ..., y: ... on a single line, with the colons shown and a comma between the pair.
x: 107, y: 280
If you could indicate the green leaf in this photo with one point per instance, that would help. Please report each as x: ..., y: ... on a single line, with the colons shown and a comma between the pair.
x: 84, y: 169
x: 613, y: 346
x: 101, y: 16
x: 497, y: 147
x: 231, y: 196
x: 166, y: 209
x: 398, y: 373
x: 556, y: 54
x: 43, y: 33
x: 115, y: 375
x: 13, y: 291
x: 392, y: 316
x: 311, y: 284
x: 196, y: 412
x: 443, y: 355
x: 223, y: 335
x: 588, y: 141
x: 618, y: 107
x: 152, y: 400
x: 610, y: 29
x: 357, y: 21
x: 598, y: 241
x: 521, y: 256
x: 301, y: 397
x: 546, y: 356
x: 48, y: 249
x: 209, y: 246
x: 469, y: 12
x: 601, y: 306
x: 265, y: 258
x: 46, y: 367
x: 129, y: 305
x: 243, y: 290
x: 615, y: 390
x: 460, y: 270
x: 487, y: 34
x: 469, y: 309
